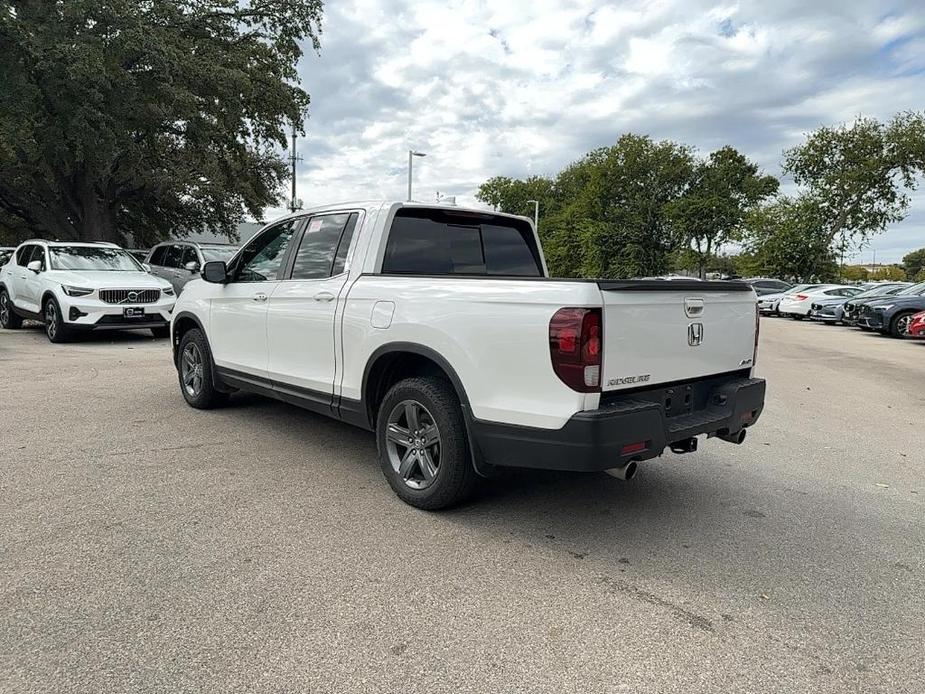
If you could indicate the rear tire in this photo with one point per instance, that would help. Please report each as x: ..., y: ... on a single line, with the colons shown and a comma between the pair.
x: 55, y: 329
x: 423, y: 444
x: 9, y: 320
x: 899, y: 326
x: 195, y: 372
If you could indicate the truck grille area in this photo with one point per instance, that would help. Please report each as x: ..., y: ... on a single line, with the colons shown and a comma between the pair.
x: 130, y: 296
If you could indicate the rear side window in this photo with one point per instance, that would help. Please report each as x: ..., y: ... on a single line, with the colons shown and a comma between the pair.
x: 157, y: 257
x: 320, y: 245
x: 444, y: 242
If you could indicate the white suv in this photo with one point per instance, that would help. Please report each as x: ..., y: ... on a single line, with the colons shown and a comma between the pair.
x: 82, y: 286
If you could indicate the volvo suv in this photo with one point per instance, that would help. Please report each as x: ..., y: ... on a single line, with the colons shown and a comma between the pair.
x: 178, y: 262
x: 73, y: 287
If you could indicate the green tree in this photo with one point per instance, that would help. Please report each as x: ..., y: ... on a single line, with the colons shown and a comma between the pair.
x: 787, y: 240
x: 855, y: 273
x: 609, y: 215
x: 914, y: 262
x: 859, y: 176
x: 893, y: 273
x: 725, y: 188
x: 512, y: 195
x: 128, y: 121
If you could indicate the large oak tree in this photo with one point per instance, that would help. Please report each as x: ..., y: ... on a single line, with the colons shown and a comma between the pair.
x: 131, y: 120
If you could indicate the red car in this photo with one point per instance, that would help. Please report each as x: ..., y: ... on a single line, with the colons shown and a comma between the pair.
x: 917, y: 325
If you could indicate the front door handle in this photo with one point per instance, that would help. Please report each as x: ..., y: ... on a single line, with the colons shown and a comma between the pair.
x: 324, y: 296
x: 259, y: 297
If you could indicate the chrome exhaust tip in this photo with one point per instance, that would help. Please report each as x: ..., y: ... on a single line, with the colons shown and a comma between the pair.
x: 625, y: 473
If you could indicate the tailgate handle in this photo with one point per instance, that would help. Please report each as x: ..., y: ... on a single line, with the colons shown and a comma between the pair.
x: 693, y: 307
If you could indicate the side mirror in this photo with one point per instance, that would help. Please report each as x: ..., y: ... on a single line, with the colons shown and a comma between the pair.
x: 192, y: 266
x: 214, y: 271
x: 35, y: 266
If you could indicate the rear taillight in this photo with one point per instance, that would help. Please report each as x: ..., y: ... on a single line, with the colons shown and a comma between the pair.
x: 802, y: 297
x: 575, y: 345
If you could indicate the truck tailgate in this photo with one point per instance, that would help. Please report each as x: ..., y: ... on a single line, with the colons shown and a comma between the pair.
x: 660, y: 331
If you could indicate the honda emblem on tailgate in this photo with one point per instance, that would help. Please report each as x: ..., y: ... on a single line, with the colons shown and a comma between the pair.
x: 695, y: 334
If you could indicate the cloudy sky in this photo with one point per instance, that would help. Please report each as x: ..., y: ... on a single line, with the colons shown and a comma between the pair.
x: 519, y: 87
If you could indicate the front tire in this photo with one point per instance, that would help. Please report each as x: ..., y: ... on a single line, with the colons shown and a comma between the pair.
x: 423, y: 444
x: 8, y: 318
x: 55, y: 329
x: 194, y: 369
x: 899, y: 326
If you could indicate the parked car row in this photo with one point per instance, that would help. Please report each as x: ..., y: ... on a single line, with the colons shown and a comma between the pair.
x: 892, y: 308
x: 78, y: 287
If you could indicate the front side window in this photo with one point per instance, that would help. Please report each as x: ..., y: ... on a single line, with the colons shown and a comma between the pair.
x: 262, y: 257
x: 323, y: 250
x: 189, y: 256
x: 173, y: 256
x: 442, y: 242
x: 38, y: 254
x: 23, y: 255
x: 96, y: 258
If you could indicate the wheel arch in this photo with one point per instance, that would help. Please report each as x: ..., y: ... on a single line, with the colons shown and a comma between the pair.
x: 182, y: 323
x: 394, y: 361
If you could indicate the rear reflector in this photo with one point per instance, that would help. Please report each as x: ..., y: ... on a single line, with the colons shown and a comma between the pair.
x: 637, y: 447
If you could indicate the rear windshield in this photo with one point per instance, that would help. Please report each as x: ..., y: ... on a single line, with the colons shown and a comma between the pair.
x: 92, y: 258
x: 222, y: 253
x: 445, y: 242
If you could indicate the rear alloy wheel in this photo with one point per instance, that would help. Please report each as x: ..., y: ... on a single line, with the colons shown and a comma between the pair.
x: 8, y: 318
x: 423, y: 444
x: 900, y: 325
x: 55, y: 329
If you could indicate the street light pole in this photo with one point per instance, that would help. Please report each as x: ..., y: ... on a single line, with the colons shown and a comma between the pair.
x: 536, y: 213
x: 411, y: 155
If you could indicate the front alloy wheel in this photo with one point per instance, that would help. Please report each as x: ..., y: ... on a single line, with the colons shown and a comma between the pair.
x: 413, y: 444
x: 901, y: 325
x: 191, y: 369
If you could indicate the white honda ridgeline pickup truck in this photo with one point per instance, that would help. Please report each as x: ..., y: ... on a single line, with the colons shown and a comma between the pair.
x: 438, y: 328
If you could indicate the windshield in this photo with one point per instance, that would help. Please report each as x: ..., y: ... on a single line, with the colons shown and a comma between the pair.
x: 876, y: 291
x: 914, y: 290
x: 95, y: 258
x: 222, y: 253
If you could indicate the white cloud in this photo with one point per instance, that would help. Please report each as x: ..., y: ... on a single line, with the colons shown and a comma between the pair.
x: 520, y: 88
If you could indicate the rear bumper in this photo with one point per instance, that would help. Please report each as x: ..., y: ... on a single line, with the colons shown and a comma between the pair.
x: 595, y: 440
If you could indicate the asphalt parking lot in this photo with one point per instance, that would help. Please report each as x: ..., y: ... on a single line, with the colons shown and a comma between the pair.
x: 148, y: 547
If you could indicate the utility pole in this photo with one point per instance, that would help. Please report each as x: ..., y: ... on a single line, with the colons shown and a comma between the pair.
x: 294, y: 204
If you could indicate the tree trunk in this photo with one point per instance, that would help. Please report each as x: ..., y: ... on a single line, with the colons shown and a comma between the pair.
x: 96, y: 221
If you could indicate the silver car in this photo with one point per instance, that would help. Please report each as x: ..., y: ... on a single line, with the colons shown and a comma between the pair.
x: 178, y: 262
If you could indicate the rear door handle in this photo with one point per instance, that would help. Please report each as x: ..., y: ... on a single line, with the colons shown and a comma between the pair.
x: 324, y: 296
x: 259, y: 297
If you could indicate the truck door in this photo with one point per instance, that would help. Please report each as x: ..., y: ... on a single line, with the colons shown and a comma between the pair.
x: 303, y: 307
